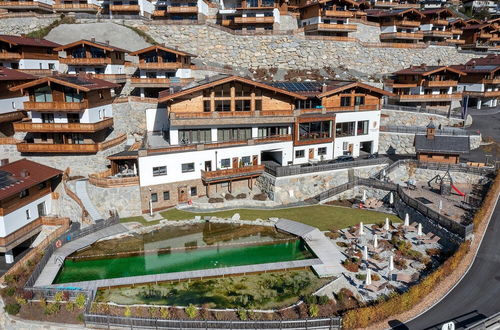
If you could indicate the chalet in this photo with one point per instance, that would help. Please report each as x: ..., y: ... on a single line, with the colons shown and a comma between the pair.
x: 160, y: 67
x: 34, y: 56
x: 77, y: 6
x: 435, y: 25
x: 395, y: 4
x: 455, y: 26
x: 25, y: 197
x: 250, y: 15
x: 331, y: 18
x: 216, y: 135
x: 181, y: 10
x: 425, y: 86
x: 399, y: 26
x: 98, y: 58
x: 128, y: 8
x: 481, y: 84
x: 11, y: 103
x: 440, y: 148
x: 481, y: 37
x: 68, y: 114
x: 37, y: 6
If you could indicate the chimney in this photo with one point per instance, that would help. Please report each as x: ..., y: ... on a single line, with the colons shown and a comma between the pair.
x: 4, y: 161
x: 107, y: 42
x: 92, y: 39
x: 323, y: 88
x: 24, y: 173
x: 431, y: 130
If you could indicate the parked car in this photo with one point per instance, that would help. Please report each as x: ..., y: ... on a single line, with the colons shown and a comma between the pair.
x: 342, y: 159
x: 372, y: 156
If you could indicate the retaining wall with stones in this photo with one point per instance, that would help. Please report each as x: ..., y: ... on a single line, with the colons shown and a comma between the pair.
x: 408, y: 118
x: 125, y: 200
x: 24, y: 25
x: 408, y: 171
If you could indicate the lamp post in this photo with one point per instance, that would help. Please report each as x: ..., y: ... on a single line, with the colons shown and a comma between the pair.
x: 150, y: 204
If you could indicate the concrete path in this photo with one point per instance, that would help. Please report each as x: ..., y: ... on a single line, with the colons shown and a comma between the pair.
x: 319, y: 244
x: 81, y: 192
x: 55, y: 262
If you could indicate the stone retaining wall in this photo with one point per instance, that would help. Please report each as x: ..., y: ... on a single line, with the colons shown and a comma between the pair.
x: 404, y: 172
x: 408, y: 118
x: 23, y: 25
x: 125, y: 200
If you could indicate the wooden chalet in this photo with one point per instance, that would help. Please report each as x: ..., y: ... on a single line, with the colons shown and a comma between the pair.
x: 69, y: 114
x: 250, y: 15
x: 77, y: 6
x: 399, y: 26
x: 435, y: 25
x: 395, y: 4
x: 481, y: 37
x: 184, y: 10
x: 36, y: 6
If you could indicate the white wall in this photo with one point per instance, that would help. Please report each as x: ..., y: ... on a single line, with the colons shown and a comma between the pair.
x: 174, y: 161
x: 108, y: 69
x: 12, y: 104
x: 38, y: 64
x: 88, y: 116
x: 156, y: 119
x: 202, y: 7
x: 373, y: 131
x: 305, y: 159
x: 146, y: 7
x: 13, y: 221
x: 470, y: 87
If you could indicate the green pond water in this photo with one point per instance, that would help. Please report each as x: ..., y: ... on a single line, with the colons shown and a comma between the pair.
x: 185, y: 260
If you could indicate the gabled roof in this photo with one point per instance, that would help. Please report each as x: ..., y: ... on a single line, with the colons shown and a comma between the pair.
x: 425, y: 70
x: 437, y: 11
x: 97, y: 44
x: 219, y: 80
x: 484, y: 69
x: 478, y: 26
x: 443, y: 144
x: 7, y: 74
x: 472, y: 21
x: 160, y: 47
x: 394, y: 13
x: 351, y: 2
x: 25, y: 41
x: 12, y: 182
x: 491, y: 59
x: 80, y: 82
x: 336, y: 88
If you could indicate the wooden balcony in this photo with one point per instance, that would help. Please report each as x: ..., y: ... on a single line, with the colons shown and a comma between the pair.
x: 407, y: 23
x: 442, y: 34
x: 125, y: 8
x: 443, y: 83
x: 492, y: 81
x: 394, y: 84
x: 484, y: 35
x: 11, y: 116
x: 115, y: 78
x: 77, y: 7
x: 232, y: 173
x: 254, y: 20
x: 391, y: 4
x: 455, y: 41
x: 159, y: 13
x: 402, y: 35
x: 164, y: 65
x: 57, y: 106
x: 22, y: 234
x: 484, y: 94
x: 85, y: 61
x: 233, y: 114
x: 37, y: 72
x: 9, y: 56
x: 429, y: 97
x: 28, y: 126
x: 90, y: 148
x: 106, y: 180
x: 331, y: 27
x: 457, y: 31
x: 338, y: 13
x: 438, y: 22
x: 182, y: 10
x: 25, y: 5
x: 226, y: 22
x: 312, y: 140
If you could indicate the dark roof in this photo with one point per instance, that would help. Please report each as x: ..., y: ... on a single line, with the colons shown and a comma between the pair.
x: 391, y: 13
x: 162, y: 47
x: 11, y: 74
x: 492, y: 59
x: 426, y: 69
x: 444, y: 144
x: 12, y: 182
x: 25, y: 41
x: 80, y: 81
x: 98, y: 44
x: 126, y: 154
x: 470, y: 68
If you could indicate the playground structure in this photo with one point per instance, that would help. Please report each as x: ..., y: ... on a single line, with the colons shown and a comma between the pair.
x: 445, y: 183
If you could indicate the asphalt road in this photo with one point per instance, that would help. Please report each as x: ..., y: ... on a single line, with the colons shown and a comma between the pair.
x: 477, y: 296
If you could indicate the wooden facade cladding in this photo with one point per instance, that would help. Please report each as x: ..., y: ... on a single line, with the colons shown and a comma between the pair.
x: 125, y: 8
x: 84, y: 51
x: 402, y: 35
x: 164, y: 65
x: 254, y: 20
x: 84, y: 7
x: 28, y: 126
x: 70, y: 148
x: 182, y: 9
x: 104, y: 180
x: 26, y: 5
x: 331, y: 27
x: 25, y: 52
x: 13, y: 203
x: 85, y: 61
x: 12, y: 116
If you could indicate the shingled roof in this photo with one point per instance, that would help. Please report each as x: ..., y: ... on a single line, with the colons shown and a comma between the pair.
x: 442, y: 144
x: 7, y: 74
x: 25, y: 41
x: 81, y: 82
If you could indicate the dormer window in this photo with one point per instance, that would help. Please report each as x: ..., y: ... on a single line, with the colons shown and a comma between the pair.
x: 24, y: 193
x: 43, y: 94
x: 71, y: 95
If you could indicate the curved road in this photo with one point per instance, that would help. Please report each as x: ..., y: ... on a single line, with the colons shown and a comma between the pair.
x: 477, y: 296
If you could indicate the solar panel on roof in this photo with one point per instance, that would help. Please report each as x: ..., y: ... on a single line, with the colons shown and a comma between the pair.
x: 6, y: 179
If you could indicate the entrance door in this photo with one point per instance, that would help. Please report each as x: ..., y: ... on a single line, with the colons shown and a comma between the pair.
x: 255, y: 160
x: 235, y: 162
x: 311, y: 153
x: 208, y: 165
x: 351, y: 147
x: 41, y: 209
x: 182, y: 194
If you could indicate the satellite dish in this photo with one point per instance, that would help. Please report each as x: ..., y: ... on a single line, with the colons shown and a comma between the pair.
x: 448, y: 326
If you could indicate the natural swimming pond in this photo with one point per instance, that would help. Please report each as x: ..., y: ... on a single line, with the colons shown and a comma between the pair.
x: 196, y: 247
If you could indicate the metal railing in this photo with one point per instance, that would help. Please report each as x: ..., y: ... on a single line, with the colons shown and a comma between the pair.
x: 279, y: 171
x: 434, y: 111
x: 422, y: 129
x: 131, y: 322
x: 492, y: 322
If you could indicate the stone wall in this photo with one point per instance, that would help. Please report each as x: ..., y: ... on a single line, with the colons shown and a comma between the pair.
x: 125, y: 200
x: 407, y: 118
x: 404, y: 172
x: 366, y: 33
x: 23, y: 25
x: 296, y: 188
x: 130, y: 117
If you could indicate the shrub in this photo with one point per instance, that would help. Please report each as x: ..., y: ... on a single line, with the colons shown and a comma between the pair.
x: 242, y: 314
x: 191, y: 311
x: 80, y: 318
x: 361, y: 277
x: 310, y: 299
x: 58, y: 297
x: 260, y: 197
x: 241, y: 196
x: 323, y: 300
x: 333, y: 235
x: 342, y: 244
x: 9, y: 291
x: 433, y: 252
x: 70, y: 306
x: 229, y: 197
x: 313, y: 310
x: 216, y: 200
x: 12, y: 309
x: 11, y: 279
x: 21, y: 300
x: 51, y: 309
x: 80, y: 300
x: 164, y: 313
x: 43, y: 302
x: 65, y: 296
x: 127, y: 312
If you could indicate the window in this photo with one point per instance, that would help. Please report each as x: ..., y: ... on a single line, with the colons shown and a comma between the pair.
x: 47, y: 117
x: 345, y: 129
x: 258, y: 105
x: 43, y: 94
x: 42, y: 185
x: 246, y: 161
x: 272, y: 131
x: 73, y: 117
x: 322, y: 151
x: 154, y: 197
x: 166, y: 195
x: 101, y: 95
x: 300, y: 153
x: 225, y: 163
x: 362, y: 127
x: 234, y: 134
x: 314, y: 130
x: 222, y: 105
x: 71, y: 95
x: 24, y: 193
x: 345, y: 101
x: 242, y: 105
x: 28, y: 214
x: 188, y: 136
x: 187, y: 167
x: 41, y: 209
x: 311, y: 103
x: 206, y: 106
x: 51, y: 66
x: 359, y: 100
x: 160, y: 170
x: 193, y: 191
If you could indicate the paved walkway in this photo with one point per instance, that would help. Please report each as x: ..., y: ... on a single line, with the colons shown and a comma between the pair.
x: 55, y: 262
x: 81, y: 192
x: 319, y: 244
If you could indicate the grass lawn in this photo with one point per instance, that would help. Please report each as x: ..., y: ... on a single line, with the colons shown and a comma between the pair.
x: 323, y: 217
x: 141, y: 220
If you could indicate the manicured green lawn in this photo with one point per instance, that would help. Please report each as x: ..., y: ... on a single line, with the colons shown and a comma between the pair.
x: 323, y: 217
x: 141, y: 220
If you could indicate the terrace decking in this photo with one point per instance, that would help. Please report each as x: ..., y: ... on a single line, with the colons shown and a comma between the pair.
x: 319, y: 244
x: 55, y: 262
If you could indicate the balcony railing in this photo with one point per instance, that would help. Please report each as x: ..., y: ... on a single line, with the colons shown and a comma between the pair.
x: 106, y: 180
x: 134, y: 8
x: 430, y: 97
x: 331, y: 27
x: 75, y: 7
x: 56, y: 106
x: 407, y: 23
x: 253, y: 20
x: 338, y: 13
x: 435, y: 33
x: 232, y: 173
x: 492, y: 81
x: 392, y: 4
x: 63, y: 127
x: 457, y: 31
x: 443, y: 83
x: 484, y: 94
x: 9, y: 55
x: 11, y: 116
x: 159, y: 13
x: 85, y: 61
x: 21, y: 234
x: 223, y: 114
x: 114, y: 77
x: 25, y: 4
x: 182, y: 10
x: 439, y: 22
x: 70, y: 148
x: 484, y: 35
x: 163, y: 65
x: 455, y: 41
x: 402, y: 35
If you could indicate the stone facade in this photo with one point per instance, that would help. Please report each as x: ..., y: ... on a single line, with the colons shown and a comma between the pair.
x: 173, y: 189
x: 366, y: 33
x: 24, y: 25
x: 407, y: 118
x: 130, y: 117
x: 125, y: 200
